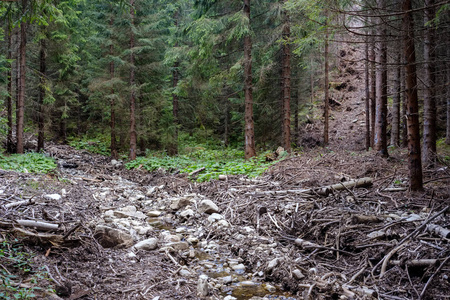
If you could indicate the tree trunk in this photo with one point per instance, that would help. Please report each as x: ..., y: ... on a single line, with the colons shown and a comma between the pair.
x: 447, y: 137
x: 395, y: 133
x: 367, y: 94
x: 250, y: 150
x: 297, y: 108
x: 286, y: 76
x: 9, y: 103
x: 373, y: 90
x: 429, y: 100
x: 326, y: 84
x: 133, y: 135
x: 21, y: 96
x: 403, y: 96
x: 114, y: 153
x: 415, y: 163
x: 380, y: 140
x: 42, y: 74
x: 173, y: 148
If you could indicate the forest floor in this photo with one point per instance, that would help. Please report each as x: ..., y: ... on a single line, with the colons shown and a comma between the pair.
x: 328, y: 223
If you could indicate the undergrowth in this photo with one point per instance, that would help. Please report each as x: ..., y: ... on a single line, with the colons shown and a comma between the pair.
x: 20, y: 277
x: 27, y: 163
x: 99, y: 145
x: 215, y: 162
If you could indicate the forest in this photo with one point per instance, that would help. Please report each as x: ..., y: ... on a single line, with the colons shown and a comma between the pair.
x: 254, y: 149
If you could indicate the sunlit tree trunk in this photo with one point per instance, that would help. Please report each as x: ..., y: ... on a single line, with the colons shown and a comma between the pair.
x: 380, y: 141
x: 133, y: 135
x: 415, y: 163
x: 250, y: 150
x: 286, y: 77
x: 42, y: 74
x: 21, y: 96
x: 326, y: 84
x: 429, y: 100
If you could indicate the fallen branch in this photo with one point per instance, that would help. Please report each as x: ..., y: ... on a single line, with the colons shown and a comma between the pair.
x: 438, y: 230
x: 193, y: 173
x: 38, y: 225
x: 18, y: 203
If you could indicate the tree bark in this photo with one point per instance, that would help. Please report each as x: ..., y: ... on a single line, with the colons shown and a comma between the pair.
x: 447, y: 137
x: 395, y: 133
x: 175, y: 77
x: 42, y: 74
x: 286, y: 76
x: 9, y: 100
x: 367, y: 95
x: 414, y: 160
x: 113, y: 148
x: 326, y: 84
x: 250, y: 150
x: 429, y: 100
x: 21, y: 96
x: 373, y: 91
x: 133, y: 135
x: 403, y: 96
x: 380, y: 141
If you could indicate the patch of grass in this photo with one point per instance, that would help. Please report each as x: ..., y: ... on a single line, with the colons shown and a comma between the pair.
x: 20, y: 278
x: 97, y: 145
x: 443, y: 150
x: 215, y: 162
x: 27, y: 163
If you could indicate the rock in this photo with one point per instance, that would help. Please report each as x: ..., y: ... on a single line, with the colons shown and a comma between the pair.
x: 129, y: 212
x: 272, y: 264
x: 238, y: 267
x: 181, y: 230
x: 208, y: 207
x: 170, y: 237
x: 226, y: 279
x: 248, y: 283
x: 192, y: 240
x: 223, y: 223
x: 187, y: 213
x: 178, y: 203
x: 147, y: 245
x: 215, y: 217
x: 110, y: 237
x: 177, y: 246
x: 202, y: 286
x: 154, y: 213
x: 298, y: 274
x: 270, y: 288
x: 53, y: 197
x: 185, y: 272
x: 229, y: 297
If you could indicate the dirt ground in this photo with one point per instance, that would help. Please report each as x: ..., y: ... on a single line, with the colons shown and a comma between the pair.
x: 328, y: 223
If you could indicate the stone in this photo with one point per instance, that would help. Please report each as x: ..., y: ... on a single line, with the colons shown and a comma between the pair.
x: 147, y: 245
x: 248, y: 283
x: 208, y: 207
x: 187, y: 213
x: 215, y: 217
x: 53, y: 197
x: 170, y: 237
x: 129, y: 212
x: 270, y: 288
x: 229, y: 297
x: 272, y: 264
x: 110, y: 237
x: 223, y: 223
x: 154, y: 213
x: 238, y: 267
x: 177, y: 246
x: 202, y: 286
x: 185, y: 272
x: 178, y: 203
x: 226, y: 279
x: 298, y: 274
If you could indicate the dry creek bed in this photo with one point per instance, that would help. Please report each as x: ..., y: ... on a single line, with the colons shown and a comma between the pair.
x: 308, y: 229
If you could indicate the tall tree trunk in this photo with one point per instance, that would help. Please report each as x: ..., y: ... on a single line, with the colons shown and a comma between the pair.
x: 415, y: 163
x: 297, y: 108
x: 21, y: 96
x: 42, y: 74
x: 133, y: 135
x: 286, y: 75
x: 311, y: 79
x: 250, y: 149
x: 447, y: 136
x: 373, y: 90
x: 175, y: 77
x: 395, y: 133
x: 326, y: 84
x: 367, y: 95
x: 114, y: 153
x: 429, y: 100
x: 9, y: 100
x: 404, y: 96
x: 380, y: 141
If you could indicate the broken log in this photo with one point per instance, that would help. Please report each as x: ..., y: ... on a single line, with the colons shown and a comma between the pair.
x: 438, y: 230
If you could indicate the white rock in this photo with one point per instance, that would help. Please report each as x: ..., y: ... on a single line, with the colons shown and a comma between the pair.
x: 270, y: 288
x: 215, y: 217
x: 178, y: 245
x: 147, y: 245
x: 238, y: 267
x: 53, y: 197
x: 272, y: 264
x: 226, y: 279
x: 229, y: 297
x: 154, y: 213
x: 187, y: 213
x: 223, y: 223
x: 247, y: 283
x: 180, y: 230
x: 185, y: 272
x: 131, y: 255
x: 178, y: 203
x: 207, y: 206
x: 202, y: 286
x: 298, y: 274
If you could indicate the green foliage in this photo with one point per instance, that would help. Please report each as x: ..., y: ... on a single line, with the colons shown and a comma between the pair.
x: 215, y: 162
x: 99, y: 145
x: 17, y: 265
x: 27, y: 163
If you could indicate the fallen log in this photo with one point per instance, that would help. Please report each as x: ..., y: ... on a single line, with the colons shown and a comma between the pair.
x: 438, y: 230
x: 38, y: 225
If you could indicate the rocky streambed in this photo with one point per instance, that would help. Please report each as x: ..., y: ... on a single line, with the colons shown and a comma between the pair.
x: 292, y: 234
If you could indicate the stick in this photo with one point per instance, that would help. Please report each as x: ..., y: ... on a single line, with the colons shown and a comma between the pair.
x: 18, y: 203
x: 438, y: 230
x: 432, y: 276
x: 38, y: 224
x: 197, y: 171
